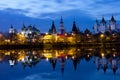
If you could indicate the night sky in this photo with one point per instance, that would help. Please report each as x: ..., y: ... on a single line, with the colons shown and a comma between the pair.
x: 41, y: 13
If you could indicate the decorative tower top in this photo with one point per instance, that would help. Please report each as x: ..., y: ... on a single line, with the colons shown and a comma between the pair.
x: 74, y: 28
x: 53, y: 29
x: 96, y: 26
x: 24, y: 27
x: 103, y: 21
x: 62, y: 31
x: 112, y: 19
x: 11, y: 30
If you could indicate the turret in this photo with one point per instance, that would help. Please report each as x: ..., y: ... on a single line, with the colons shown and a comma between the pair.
x: 104, y: 64
x: 11, y: 30
x: 112, y: 24
x: 103, y: 21
x: 53, y: 62
x: 74, y: 28
x: 75, y: 62
x: 114, y: 65
x: 102, y: 28
x: 112, y: 19
x: 96, y: 26
x: 52, y: 30
x: 61, y: 30
x: 23, y: 30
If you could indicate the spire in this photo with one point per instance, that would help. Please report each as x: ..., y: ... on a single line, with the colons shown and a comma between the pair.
x: 11, y: 30
x: 75, y: 62
x: 114, y: 70
x: 112, y: 19
x: 54, y: 63
x: 53, y: 29
x: 24, y: 27
x: 61, y: 20
x: 11, y: 26
x: 74, y: 28
x: 61, y: 30
x: 103, y: 20
x: 105, y: 68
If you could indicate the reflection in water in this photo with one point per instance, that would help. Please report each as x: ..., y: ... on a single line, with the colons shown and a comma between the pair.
x: 103, y: 58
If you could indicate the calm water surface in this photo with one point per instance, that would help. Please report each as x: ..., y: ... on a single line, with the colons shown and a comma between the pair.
x: 66, y: 64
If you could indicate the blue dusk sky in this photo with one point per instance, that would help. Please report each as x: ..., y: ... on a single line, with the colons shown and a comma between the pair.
x: 41, y: 13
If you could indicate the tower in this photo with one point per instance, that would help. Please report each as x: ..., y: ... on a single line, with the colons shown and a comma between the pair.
x: 102, y: 28
x: 24, y: 29
x: 11, y: 30
x: 52, y: 30
x: 74, y: 28
x: 96, y: 26
x: 112, y: 24
x: 61, y: 30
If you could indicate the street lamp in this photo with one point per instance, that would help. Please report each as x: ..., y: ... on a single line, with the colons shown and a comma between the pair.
x: 102, y: 36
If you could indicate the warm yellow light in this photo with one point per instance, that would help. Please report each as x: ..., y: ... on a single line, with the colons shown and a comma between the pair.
x: 7, y: 53
x: 21, y: 56
x: 102, y: 54
x: 66, y: 57
x: 73, y: 57
x: 48, y: 55
x: 7, y: 40
x: 65, y: 34
x: 114, y: 55
x: 72, y: 33
x: 102, y: 35
x: 48, y: 37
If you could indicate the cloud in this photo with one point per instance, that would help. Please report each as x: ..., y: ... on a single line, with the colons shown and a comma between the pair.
x: 38, y: 8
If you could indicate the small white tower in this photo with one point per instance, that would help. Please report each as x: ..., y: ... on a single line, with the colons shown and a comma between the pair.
x: 11, y: 30
x: 102, y: 28
x: 112, y: 24
x: 96, y: 26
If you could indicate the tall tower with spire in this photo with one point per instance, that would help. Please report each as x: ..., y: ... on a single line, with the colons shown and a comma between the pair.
x: 102, y: 28
x: 112, y: 24
x: 61, y: 29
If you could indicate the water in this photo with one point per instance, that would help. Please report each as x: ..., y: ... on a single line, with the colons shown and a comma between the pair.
x: 66, y: 64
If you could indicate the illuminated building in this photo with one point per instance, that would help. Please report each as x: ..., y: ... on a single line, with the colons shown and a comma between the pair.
x: 30, y: 32
x: 12, y: 30
x: 102, y: 26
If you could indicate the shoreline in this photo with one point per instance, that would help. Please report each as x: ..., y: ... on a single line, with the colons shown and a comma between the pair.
x: 58, y: 45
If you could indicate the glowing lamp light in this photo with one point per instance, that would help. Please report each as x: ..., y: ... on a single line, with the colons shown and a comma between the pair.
x: 66, y: 57
x: 114, y: 55
x: 47, y: 59
x: 73, y: 57
x: 102, y: 35
x: 46, y: 33
x: 102, y: 54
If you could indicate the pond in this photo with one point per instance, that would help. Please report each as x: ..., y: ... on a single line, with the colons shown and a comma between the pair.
x: 63, y: 64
